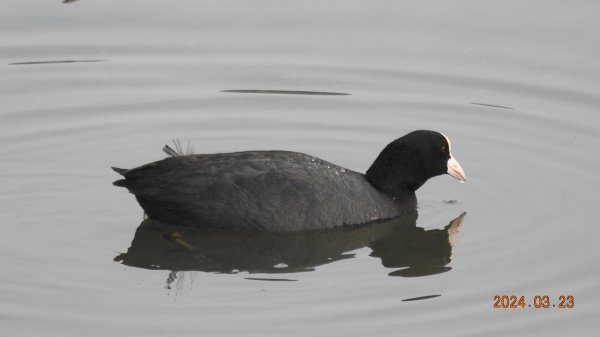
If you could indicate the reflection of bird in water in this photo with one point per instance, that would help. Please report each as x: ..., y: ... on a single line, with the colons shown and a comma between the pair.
x: 399, y: 243
x: 420, y: 253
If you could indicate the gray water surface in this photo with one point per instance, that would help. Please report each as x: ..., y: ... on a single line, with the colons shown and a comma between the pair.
x: 93, y: 84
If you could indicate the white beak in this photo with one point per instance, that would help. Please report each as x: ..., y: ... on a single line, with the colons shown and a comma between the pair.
x: 455, y: 170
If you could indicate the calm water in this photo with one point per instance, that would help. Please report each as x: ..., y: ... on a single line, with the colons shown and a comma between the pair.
x: 92, y: 84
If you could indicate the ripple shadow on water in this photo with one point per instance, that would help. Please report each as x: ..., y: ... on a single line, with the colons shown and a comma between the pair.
x: 53, y: 62
x: 285, y: 92
x: 399, y: 243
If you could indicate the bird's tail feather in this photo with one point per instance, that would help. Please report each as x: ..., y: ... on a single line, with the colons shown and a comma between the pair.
x: 120, y: 171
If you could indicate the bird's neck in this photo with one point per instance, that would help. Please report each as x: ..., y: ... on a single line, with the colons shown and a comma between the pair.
x: 395, y: 172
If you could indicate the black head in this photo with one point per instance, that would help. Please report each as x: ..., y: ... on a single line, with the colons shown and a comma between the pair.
x: 408, y: 162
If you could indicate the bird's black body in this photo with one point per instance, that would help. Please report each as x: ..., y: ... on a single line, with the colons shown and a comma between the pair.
x: 284, y: 191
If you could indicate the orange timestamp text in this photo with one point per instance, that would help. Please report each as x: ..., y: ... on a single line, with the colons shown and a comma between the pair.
x: 539, y: 302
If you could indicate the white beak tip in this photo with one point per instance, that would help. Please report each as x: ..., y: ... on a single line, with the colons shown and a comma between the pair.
x: 455, y: 170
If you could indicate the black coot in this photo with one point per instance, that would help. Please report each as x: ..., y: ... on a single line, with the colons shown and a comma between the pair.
x: 288, y: 191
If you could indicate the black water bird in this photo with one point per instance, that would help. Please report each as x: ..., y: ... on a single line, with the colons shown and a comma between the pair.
x: 288, y: 191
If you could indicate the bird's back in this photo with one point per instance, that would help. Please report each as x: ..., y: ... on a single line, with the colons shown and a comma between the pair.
x: 258, y: 190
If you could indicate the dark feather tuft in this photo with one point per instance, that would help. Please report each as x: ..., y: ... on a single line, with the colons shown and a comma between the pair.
x: 178, y: 151
x: 169, y: 151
